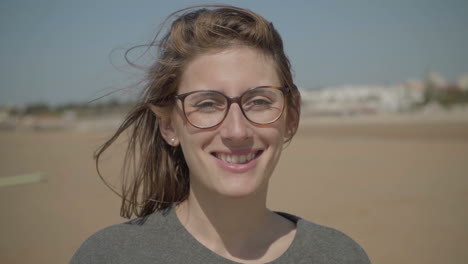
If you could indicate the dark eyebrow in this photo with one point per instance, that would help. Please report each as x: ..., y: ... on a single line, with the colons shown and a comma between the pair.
x: 205, y: 93
x: 257, y: 91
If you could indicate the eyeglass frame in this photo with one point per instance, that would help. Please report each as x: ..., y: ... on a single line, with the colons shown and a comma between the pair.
x: 231, y: 100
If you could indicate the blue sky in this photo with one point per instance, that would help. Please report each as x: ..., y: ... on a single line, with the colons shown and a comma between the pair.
x: 61, y: 51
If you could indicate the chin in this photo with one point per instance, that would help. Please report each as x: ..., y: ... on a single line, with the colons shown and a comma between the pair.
x: 241, y: 188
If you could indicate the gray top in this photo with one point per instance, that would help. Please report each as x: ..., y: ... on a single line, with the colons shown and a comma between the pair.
x: 161, y: 238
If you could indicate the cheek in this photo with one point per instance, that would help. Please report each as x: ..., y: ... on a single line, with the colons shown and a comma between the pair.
x: 183, y: 129
x: 274, y: 135
x: 192, y: 140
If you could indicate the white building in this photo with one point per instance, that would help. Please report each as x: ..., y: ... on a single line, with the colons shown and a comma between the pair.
x: 346, y: 100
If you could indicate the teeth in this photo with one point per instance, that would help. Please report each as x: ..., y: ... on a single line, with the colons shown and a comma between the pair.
x: 236, y: 159
x: 242, y: 158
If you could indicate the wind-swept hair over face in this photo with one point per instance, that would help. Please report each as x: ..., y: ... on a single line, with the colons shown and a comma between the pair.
x: 155, y: 174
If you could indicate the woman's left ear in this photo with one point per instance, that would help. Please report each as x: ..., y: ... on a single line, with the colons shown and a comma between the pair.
x: 291, y: 124
x: 166, y: 125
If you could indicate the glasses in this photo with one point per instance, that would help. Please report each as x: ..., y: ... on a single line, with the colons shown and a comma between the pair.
x: 207, y: 108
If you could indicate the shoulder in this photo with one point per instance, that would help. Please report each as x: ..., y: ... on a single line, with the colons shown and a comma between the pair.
x: 113, y: 243
x: 324, y: 244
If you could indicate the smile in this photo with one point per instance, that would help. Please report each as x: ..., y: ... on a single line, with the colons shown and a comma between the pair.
x: 237, y: 159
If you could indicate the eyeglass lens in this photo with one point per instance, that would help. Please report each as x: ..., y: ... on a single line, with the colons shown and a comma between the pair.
x: 208, y: 108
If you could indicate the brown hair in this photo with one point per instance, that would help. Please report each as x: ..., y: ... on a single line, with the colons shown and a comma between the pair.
x: 155, y: 174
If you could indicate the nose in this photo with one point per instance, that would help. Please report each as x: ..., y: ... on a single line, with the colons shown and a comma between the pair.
x: 236, y: 127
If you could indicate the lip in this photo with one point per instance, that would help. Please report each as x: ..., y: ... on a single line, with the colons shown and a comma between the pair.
x: 235, y: 167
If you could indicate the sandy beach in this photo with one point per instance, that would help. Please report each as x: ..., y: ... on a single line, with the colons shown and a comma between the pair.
x: 398, y: 188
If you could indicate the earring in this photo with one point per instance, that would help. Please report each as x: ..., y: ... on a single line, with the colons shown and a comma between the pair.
x: 172, y: 140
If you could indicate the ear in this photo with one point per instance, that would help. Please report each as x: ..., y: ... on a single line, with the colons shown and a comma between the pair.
x: 166, y: 126
x: 292, y: 120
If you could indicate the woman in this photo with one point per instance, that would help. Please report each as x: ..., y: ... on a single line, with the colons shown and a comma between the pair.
x: 218, y: 105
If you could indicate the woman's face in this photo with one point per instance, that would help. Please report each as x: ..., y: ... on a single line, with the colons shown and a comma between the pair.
x: 237, y: 157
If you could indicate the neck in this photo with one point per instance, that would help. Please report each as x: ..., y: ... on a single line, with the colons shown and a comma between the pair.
x: 227, y: 225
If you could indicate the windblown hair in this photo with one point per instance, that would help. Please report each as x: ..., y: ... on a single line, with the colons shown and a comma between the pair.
x: 155, y: 174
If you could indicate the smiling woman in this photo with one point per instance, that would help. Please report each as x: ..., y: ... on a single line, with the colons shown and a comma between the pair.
x: 219, y: 104
x: 228, y: 133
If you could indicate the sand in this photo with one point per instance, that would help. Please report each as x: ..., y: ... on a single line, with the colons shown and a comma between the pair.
x: 399, y: 189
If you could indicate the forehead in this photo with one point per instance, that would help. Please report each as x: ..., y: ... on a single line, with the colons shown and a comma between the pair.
x: 231, y: 71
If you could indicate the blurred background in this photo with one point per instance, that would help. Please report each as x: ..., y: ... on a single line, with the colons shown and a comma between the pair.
x: 381, y: 153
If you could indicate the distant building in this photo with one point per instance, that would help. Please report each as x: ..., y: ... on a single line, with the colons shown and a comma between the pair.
x: 436, y: 80
x: 365, y: 99
x: 462, y: 82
